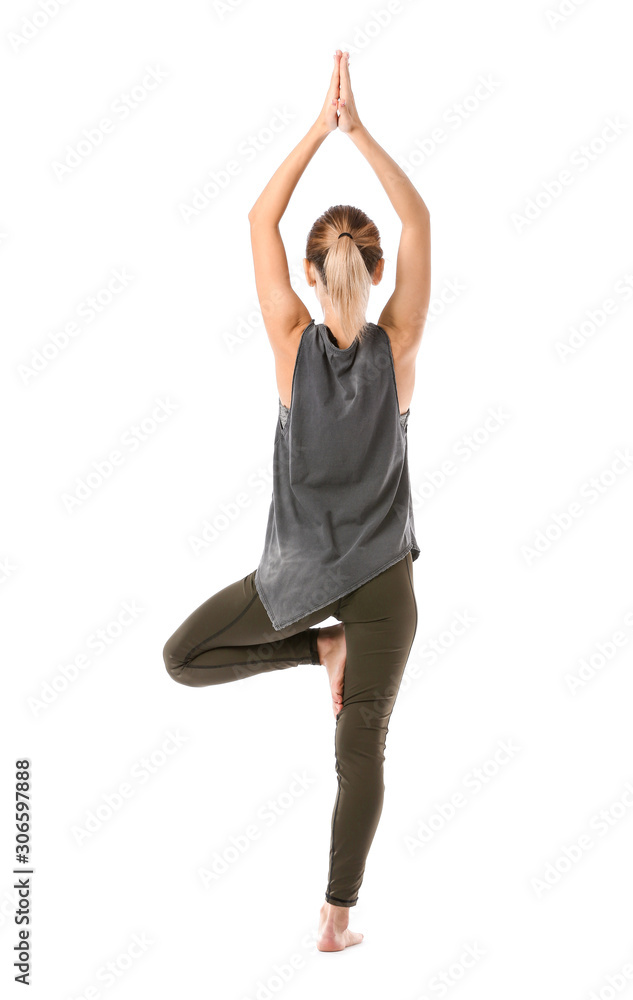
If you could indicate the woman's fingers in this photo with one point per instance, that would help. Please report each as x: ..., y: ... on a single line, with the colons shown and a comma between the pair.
x: 348, y: 116
x: 335, y: 78
x: 328, y: 117
x: 346, y: 86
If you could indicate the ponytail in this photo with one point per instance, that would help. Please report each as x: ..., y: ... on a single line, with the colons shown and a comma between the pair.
x: 346, y: 265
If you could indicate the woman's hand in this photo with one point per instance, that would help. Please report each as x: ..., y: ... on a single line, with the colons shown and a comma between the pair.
x: 348, y: 115
x: 328, y: 119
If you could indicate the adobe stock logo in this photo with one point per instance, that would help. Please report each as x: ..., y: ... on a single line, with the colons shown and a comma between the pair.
x: 119, y: 110
x: 570, y: 855
x: 267, y: 815
x: 595, y: 318
x: 130, y: 440
x: 439, y: 984
x: 34, y: 23
x: 561, y: 522
x: 561, y: 14
x: 472, y: 783
x: 603, y: 652
x: 580, y: 160
x: 221, y: 177
x: 90, y: 308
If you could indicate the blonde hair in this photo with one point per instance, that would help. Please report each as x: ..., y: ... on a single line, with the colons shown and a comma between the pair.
x: 345, y: 265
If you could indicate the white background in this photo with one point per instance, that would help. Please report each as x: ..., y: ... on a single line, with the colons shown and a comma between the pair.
x: 187, y: 328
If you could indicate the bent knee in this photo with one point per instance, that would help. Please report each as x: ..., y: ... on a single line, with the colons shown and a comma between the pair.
x: 174, y: 664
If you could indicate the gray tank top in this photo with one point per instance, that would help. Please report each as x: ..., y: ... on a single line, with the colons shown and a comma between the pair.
x: 341, y: 509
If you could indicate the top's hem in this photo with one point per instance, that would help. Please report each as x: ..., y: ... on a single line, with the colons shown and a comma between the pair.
x: 344, y: 593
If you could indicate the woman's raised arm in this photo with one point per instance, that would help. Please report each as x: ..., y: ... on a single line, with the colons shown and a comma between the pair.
x: 406, y: 311
x: 283, y: 311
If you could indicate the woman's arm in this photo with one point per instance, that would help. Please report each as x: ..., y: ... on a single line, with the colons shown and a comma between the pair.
x: 283, y: 311
x: 406, y: 311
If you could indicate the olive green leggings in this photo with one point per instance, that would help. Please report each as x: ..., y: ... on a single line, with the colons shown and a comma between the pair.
x: 230, y: 637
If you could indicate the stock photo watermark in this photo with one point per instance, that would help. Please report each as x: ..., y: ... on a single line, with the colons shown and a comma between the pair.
x: 433, y: 649
x: 120, y: 109
x: 613, y: 983
x: 570, y: 855
x: 246, y: 327
x: 595, y: 319
x: 579, y: 162
x: 452, y: 289
x: 111, y: 972
x: 112, y: 802
x: 8, y: 569
x: 463, y: 449
x: 224, y: 7
x: 86, y: 311
x: 441, y: 982
x: 266, y: 816
x: 221, y: 177
x: 561, y: 13
x: 253, y: 322
x: 362, y: 35
x: 282, y: 973
x: 9, y: 902
x: 472, y: 783
x: 591, y: 491
x: 378, y: 18
x: 452, y: 120
x: 602, y: 653
x: 130, y: 440
x: 258, y: 483
x: 32, y: 24
x: 95, y: 645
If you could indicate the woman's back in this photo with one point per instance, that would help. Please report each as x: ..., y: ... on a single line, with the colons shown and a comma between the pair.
x: 341, y: 509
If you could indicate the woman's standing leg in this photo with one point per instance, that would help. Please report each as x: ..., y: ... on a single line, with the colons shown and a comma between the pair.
x: 230, y: 636
x: 380, y: 624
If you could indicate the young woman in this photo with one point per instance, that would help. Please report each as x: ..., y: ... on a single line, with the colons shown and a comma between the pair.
x: 340, y: 540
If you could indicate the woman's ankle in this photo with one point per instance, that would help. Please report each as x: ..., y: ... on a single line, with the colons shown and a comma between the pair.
x: 327, y: 637
x: 337, y: 916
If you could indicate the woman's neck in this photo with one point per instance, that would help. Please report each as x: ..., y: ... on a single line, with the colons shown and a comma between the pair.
x: 332, y: 322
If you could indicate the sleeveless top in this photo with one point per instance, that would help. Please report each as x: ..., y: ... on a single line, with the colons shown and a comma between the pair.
x: 341, y: 509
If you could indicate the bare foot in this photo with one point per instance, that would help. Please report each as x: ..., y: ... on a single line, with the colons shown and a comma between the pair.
x: 332, y: 651
x: 334, y: 934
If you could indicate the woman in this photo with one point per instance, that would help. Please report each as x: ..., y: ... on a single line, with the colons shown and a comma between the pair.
x: 340, y: 539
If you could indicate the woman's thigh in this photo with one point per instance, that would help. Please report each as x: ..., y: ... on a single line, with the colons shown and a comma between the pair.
x: 380, y: 620
x: 234, y: 616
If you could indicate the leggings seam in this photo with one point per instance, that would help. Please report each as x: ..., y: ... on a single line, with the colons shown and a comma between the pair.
x: 416, y: 609
x: 240, y: 663
x: 338, y: 795
x: 191, y: 652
